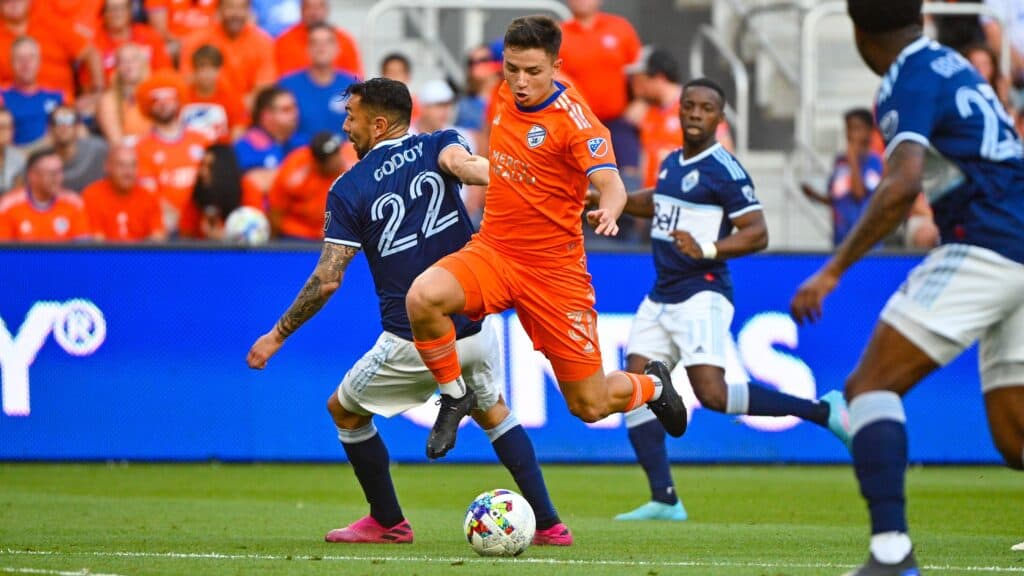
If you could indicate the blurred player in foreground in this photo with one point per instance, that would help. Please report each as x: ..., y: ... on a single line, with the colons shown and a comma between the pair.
x: 702, y: 193
x: 947, y: 134
x: 400, y: 203
x: 545, y: 146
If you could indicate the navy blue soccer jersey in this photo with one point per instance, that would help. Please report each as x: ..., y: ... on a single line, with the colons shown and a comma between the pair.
x: 404, y: 212
x: 700, y: 195
x: 974, y: 171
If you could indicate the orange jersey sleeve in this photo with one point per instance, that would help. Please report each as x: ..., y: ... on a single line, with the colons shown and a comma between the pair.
x: 541, y: 159
x: 299, y: 194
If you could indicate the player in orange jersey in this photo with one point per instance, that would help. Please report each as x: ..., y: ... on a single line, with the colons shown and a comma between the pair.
x: 546, y: 147
x: 43, y: 211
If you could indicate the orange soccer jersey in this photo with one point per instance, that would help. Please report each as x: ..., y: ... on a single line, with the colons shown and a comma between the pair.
x: 23, y: 220
x: 299, y: 192
x: 122, y: 217
x: 541, y: 159
x: 169, y: 168
x: 660, y: 134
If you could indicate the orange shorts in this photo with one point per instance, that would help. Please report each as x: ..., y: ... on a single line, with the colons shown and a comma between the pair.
x: 554, y: 305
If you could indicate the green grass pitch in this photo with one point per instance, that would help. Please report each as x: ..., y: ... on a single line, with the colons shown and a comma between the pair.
x: 270, y: 519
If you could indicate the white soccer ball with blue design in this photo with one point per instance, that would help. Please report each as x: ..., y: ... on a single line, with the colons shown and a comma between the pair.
x: 499, y: 523
x: 246, y: 225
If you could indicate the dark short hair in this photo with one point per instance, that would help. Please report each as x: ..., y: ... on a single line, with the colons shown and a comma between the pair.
x: 38, y: 155
x: 661, y: 61
x: 862, y: 114
x: 319, y: 26
x: 384, y: 96
x: 709, y: 84
x: 396, y: 57
x: 877, y: 16
x: 207, y: 54
x: 534, y: 32
x: 264, y: 100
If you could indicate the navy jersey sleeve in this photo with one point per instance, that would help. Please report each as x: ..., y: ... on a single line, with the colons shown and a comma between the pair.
x: 736, y: 190
x: 342, y: 224
x: 907, y: 110
x: 447, y: 138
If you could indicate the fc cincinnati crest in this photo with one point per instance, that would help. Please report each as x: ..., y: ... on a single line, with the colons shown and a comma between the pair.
x: 598, y: 147
x: 690, y: 180
x: 536, y: 136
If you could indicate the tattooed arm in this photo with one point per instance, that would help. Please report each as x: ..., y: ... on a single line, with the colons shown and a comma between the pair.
x: 319, y: 288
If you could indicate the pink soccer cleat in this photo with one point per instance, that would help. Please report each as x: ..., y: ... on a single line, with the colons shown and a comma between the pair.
x: 369, y: 531
x: 557, y: 535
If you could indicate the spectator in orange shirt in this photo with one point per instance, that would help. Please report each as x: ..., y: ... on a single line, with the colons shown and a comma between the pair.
x: 118, y: 30
x: 169, y: 155
x: 61, y: 49
x: 175, y: 20
x: 81, y: 153
x: 290, y: 47
x: 596, y: 49
x: 83, y: 15
x: 248, y: 51
x: 299, y: 194
x: 120, y: 116
x: 43, y: 211
x: 214, y: 107
x: 656, y: 84
x: 119, y: 209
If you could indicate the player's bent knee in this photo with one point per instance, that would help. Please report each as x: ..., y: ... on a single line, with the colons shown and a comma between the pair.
x: 426, y: 297
x: 589, y: 412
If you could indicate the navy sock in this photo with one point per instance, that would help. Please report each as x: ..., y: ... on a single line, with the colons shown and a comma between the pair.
x: 880, y: 461
x: 648, y: 440
x: 515, y: 450
x: 768, y: 402
x: 370, y: 461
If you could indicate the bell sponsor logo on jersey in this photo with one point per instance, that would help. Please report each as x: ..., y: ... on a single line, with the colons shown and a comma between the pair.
x: 536, y: 136
x: 598, y: 147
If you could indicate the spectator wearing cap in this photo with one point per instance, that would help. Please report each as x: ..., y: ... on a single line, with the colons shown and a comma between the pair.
x: 299, y: 194
x: 120, y: 210
x: 170, y: 153
x: 118, y: 29
x: 290, y: 48
x: 60, y: 49
x: 119, y: 115
x: 248, y: 51
x: 12, y: 160
x: 437, y: 108
x: 214, y: 106
x: 596, y: 48
x: 43, y: 211
x: 30, y: 103
x: 320, y: 88
x: 483, y: 73
x: 178, y: 19
x: 81, y: 153
x: 272, y: 136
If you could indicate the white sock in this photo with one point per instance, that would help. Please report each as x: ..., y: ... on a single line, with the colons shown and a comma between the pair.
x: 890, y: 547
x: 456, y: 388
x: 657, y: 387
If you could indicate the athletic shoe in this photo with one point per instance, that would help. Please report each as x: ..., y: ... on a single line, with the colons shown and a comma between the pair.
x: 453, y: 410
x: 369, y: 531
x: 656, y: 511
x: 669, y: 408
x: 557, y: 535
x: 1018, y: 547
x: 838, y: 417
x: 908, y: 567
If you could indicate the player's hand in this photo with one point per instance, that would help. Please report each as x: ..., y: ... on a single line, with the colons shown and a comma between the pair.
x: 265, y: 347
x: 806, y: 304
x: 687, y: 244
x: 603, y: 222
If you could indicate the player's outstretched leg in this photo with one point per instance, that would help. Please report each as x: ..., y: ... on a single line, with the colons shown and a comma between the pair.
x: 647, y: 436
x: 666, y: 403
x: 515, y: 450
x: 433, y: 297
x: 369, y: 458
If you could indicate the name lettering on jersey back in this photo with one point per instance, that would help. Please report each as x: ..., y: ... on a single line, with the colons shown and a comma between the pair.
x: 511, y: 168
x: 397, y: 161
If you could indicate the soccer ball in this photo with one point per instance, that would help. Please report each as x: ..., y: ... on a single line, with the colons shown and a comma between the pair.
x: 499, y: 523
x: 246, y: 225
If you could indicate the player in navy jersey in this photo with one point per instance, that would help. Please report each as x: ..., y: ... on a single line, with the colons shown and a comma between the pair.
x: 947, y: 135
x: 400, y: 204
x: 702, y: 193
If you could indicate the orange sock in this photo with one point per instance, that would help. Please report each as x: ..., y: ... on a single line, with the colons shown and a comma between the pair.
x: 441, y: 357
x: 643, y: 389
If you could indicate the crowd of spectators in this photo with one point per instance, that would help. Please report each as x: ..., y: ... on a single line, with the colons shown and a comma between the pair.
x: 149, y: 120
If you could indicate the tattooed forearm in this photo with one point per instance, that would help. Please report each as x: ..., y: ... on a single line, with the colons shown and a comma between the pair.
x: 319, y: 288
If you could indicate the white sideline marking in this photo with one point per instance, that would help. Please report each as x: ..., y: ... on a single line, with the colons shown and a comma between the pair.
x: 472, y: 560
x: 82, y: 572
